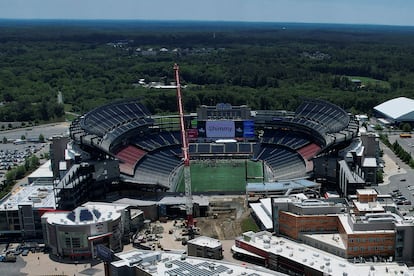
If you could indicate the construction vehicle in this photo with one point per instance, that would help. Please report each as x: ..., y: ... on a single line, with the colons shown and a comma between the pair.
x: 185, y: 156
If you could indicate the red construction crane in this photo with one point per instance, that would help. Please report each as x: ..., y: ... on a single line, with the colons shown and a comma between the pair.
x: 186, y: 156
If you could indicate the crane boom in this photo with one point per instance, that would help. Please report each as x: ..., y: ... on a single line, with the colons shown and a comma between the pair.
x: 185, y: 153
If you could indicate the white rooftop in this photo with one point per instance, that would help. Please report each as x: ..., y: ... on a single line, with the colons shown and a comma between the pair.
x: 370, y: 162
x: 396, y: 108
x: 263, y: 212
x: 318, y: 259
x: 177, y: 263
x: 366, y: 191
x: 39, y: 196
x: 90, y: 213
x: 44, y: 171
x: 205, y: 241
x: 368, y: 206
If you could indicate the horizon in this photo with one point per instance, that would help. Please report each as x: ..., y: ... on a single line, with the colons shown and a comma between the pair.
x: 367, y: 12
x: 70, y: 20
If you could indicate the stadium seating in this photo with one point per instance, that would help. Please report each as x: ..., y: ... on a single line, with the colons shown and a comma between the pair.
x: 284, y: 162
x: 156, y: 167
x: 329, y: 115
x: 129, y: 156
x: 309, y: 151
x: 105, y: 118
x: 155, y: 141
x: 291, y: 139
x: 152, y: 155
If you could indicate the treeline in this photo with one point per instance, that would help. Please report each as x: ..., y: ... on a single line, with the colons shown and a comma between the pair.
x: 398, y: 150
x: 18, y: 172
x: 265, y: 66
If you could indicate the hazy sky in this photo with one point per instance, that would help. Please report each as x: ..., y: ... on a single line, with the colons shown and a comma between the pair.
x: 387, y: 12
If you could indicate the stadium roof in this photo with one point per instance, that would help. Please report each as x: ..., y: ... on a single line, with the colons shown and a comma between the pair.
x: 400, y: 109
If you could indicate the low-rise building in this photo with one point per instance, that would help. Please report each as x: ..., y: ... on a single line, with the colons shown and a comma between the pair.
x: 75, y: 234
x: 366, y: 226
x: 205, y: 247
x: 20, y: 210
x: 141, y: 262
x: 287, y: 256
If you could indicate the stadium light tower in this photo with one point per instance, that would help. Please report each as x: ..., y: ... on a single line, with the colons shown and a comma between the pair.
x: 186, y: 156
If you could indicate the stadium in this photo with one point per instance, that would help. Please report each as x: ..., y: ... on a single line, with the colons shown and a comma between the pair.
x: 229, y: 145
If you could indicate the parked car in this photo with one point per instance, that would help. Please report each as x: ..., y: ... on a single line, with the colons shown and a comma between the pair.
x: 25, y: 252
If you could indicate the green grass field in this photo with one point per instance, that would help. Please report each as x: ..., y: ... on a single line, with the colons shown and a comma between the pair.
x: 222, y: 175
x: 371, y: 81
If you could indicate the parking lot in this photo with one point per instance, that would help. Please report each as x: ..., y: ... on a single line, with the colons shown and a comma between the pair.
x: 398, y: 181
x: 14, y: 153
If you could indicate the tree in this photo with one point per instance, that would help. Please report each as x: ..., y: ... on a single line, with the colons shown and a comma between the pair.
x: 4, y: 140
x: 380, y: 176
x: 406, y: 127
x: 41, y: 138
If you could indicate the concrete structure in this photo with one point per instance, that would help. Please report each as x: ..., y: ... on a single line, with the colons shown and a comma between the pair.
x: 285, y: 255
x: 20, y: 211
x: 43, y: 173
x: 397, y: 110
x: 140, y: 262
x: 76, y: 234
x: 283, y: 187
x: 57, y: 152
x: 367, y: 226
x: 205, y: 247
x: 168, y: 206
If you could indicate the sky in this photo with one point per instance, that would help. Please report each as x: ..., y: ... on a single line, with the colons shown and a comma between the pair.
x: 383, y: 12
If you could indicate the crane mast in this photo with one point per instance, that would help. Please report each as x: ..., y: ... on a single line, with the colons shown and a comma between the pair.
x: 186, y: 155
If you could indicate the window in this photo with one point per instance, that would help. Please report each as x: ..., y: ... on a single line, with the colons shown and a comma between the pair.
x: 67, y: 242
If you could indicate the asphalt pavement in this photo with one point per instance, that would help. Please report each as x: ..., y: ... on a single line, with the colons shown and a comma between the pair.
x: 401, y: 179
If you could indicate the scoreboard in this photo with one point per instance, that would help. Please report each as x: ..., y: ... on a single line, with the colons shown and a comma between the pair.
x: 223, y: 129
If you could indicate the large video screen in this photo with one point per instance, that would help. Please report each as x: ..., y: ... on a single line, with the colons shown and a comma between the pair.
x: 225, y: 129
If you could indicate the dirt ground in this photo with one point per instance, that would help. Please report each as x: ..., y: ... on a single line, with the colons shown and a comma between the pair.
x: 224, y: 219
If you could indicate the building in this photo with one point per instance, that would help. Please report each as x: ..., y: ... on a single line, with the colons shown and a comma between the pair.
x: 43, y: 173
x: 75, y: 234
x: 365, y: 226
x: 21, y: 210
x: 57, y: 152
x: 141, y: 262
x: 287, y: 256
x: 205, y: 247
x: 284, y: 187
x: 396, y: 111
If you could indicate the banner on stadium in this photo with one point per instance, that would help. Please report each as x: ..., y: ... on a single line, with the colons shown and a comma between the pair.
x: 223, y: 129
x: 248, y: 129
x: 201, y: 129
x: 192, y: 133
x: 220, y: 129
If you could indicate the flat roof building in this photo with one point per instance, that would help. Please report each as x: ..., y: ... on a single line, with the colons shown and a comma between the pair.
x: 43, y: 173
x: 281, y: 254
x: 141, y: 262
x: 396, y: 110
x: 205, y: 247
x: 20, y: 210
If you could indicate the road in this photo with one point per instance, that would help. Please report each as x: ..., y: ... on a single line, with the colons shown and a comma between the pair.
x: 398, y: 175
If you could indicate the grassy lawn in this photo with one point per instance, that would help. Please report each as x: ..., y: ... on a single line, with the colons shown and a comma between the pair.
x: 248, y: 224
x: 370, y: 81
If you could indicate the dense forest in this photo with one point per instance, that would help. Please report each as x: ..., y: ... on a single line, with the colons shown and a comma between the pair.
x: 263, y: 65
